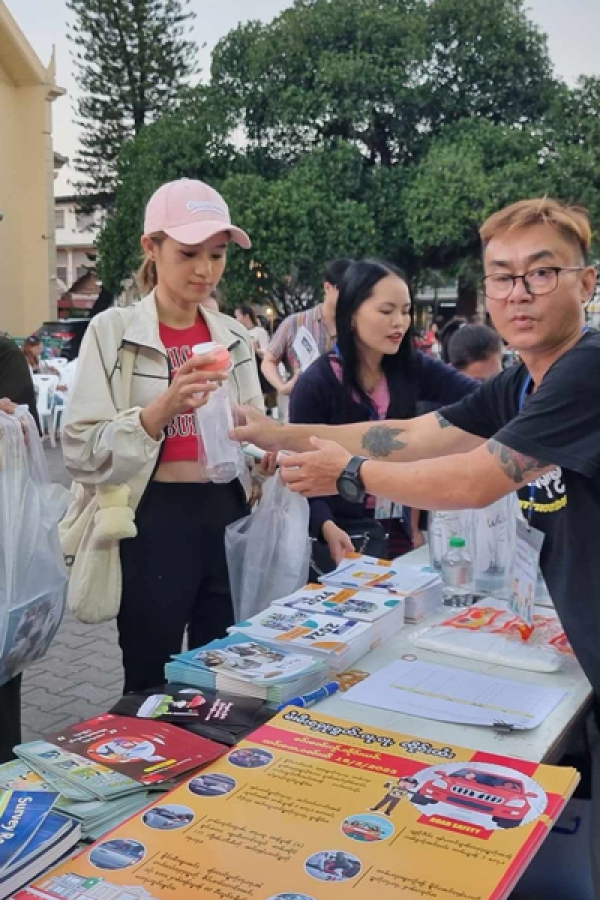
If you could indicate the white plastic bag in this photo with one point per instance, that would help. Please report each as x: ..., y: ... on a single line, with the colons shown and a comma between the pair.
x: 32, y: 570
x: 489, y: 631
x: 490, y: 535
x: 494, y: 535
x: 268, y: 552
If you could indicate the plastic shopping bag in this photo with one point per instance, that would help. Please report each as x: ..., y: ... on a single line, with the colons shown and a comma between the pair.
x: 494, y: 537
x: 32, y: 570
x: 268, y: 552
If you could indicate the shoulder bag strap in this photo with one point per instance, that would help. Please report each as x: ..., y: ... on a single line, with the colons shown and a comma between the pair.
x: 128, y: 357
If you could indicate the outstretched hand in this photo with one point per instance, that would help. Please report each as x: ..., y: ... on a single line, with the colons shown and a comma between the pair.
x: 10, y: 408
x: 253, y: 427
x: 315, y: 473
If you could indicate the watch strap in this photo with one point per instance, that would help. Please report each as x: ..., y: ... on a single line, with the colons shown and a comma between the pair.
x: 352, y: 470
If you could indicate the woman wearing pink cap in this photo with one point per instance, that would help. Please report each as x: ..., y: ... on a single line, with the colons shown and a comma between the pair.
x: 142, y: 434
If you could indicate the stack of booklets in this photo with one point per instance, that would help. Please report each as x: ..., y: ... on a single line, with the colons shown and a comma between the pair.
x: 337, y: 626
x: 240, y: 665
x: 421, y: 590
x: 32, y: 837
x: 94, y: 817
x: 382, y: 611
x: 226, y: 718
x: 105, y: 767
x: 310, y: 803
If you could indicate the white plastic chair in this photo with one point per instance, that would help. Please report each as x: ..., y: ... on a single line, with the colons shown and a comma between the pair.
x: 57, y: 412
x: 67, y: 377
x: 45, y: 385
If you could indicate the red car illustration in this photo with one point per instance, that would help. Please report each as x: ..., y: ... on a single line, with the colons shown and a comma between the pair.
x: 503, y: 797
x: 362, y: 831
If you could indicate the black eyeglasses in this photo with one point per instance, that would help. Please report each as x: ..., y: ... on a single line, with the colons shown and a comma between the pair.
x: 542, y: 280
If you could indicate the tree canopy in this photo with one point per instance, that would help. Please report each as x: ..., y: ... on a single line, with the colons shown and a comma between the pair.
x: 383, y: 74
x: 367, y: 127
x: 131, y: 59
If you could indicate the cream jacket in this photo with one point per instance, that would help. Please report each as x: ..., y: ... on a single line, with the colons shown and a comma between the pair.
x: 103, y: 443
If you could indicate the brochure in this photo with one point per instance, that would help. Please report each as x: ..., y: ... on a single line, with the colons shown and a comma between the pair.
x: 240, y: 665
x: 365, y: 606
x: 421, y: 590
x: 244, y: 658
x: 312, y: 807
x: 337, y: 640
x: 95, y: 816
x: 117, y: 753
x: 219, y: 716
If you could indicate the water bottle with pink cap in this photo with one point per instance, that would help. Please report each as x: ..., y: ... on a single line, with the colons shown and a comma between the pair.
x: 214, y: 422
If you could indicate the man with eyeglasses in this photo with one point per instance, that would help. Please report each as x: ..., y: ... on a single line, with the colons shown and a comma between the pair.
x: 536, y: 424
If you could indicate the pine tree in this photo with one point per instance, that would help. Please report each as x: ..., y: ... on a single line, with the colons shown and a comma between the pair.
x: 133, y: 58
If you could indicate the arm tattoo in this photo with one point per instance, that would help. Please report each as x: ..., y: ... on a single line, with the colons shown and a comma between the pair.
x: 381, y: 440
x: 442, y: 422
x: 517, y: 466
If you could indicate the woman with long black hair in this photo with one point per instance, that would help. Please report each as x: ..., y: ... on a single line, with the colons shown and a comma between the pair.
x: 374, y: 372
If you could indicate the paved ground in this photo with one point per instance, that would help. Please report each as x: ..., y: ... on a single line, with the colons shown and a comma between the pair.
x: 81, y: 675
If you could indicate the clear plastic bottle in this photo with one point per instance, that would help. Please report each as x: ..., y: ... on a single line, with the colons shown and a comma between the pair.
x: 214, y: 421
x: 442, y: 526
x: 457, y: 574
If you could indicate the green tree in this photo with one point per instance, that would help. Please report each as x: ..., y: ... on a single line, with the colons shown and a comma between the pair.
x: 131, y: 58
x: 477, y: 167
x: 191, y: 142
x: 487, y: 60
x: 572, y: 135
x: 373, y: 127
x: 297, y: 224
x: 385, y: 75
x: 326, y: 69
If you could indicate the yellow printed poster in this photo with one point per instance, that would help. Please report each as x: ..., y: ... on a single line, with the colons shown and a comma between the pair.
x: 315, y: 808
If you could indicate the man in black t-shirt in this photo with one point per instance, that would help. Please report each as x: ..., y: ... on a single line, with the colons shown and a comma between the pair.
x: 535, y: 424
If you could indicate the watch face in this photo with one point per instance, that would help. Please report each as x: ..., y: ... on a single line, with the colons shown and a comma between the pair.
x: 348, y: 489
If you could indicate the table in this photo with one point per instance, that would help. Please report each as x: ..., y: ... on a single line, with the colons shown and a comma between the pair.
x: 543, y: 744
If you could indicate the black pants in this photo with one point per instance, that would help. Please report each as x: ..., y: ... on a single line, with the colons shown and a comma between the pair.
x: 175, y: 575
x: 10, y: 717
x: 390, y: 802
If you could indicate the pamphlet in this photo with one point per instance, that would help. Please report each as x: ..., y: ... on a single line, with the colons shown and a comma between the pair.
x: 338, y: 640
x: 242, y: 657
x: 114, y: 754
x: 365, y: 606
x: 312, y: 807
x: 305, y: 347
x: 219, y: 716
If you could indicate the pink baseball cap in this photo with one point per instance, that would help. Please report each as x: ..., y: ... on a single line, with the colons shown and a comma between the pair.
x: 190, y: 212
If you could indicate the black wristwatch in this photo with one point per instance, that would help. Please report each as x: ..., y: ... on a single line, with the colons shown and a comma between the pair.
x: 349, y: 485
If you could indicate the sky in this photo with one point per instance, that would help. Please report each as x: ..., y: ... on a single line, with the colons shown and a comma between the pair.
x: 572, y: 30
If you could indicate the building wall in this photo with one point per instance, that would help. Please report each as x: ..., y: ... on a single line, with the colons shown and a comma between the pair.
x: 75, y: 239
x: 27, y: 251
x: 70, y: 262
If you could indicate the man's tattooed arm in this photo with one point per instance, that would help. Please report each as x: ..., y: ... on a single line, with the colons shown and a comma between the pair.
x: 381, y: 440
x: 517, y: 466
x: 442, y: 422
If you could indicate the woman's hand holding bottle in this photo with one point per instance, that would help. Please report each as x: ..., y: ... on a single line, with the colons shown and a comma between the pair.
x: 191, y: 388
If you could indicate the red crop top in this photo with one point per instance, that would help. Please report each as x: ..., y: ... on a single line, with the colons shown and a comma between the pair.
x: 181, y: 442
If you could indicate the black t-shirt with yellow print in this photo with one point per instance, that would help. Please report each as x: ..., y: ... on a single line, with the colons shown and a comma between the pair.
x: 559, y: 423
